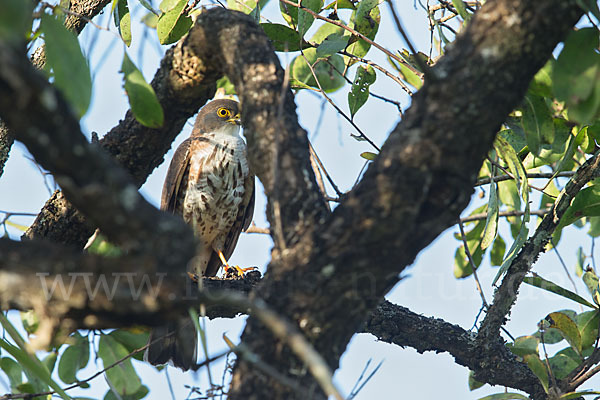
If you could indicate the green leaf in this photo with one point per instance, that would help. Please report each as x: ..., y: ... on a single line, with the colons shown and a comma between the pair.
x: 537, y: 367
x: 575, y: 75
x: 594, y: 226
x: 150, y: 20
x: 30, y: 321
x: 123, y: 21
x: 367, y: 155
x: 288, y: 12
x: 173, y: 24
x: 324, y: 31
x: 326, y: 71
x: 505, y: 396
x: 296, y: 84
x: 590, y: 6
x: 64, y: 56
x: 474, y: 383
x: 567, y: 327
x: 365, y: 20
x: 461, y: 8
x: 305, y: 20
x: 332, y: 44
x: 509, y: 155
x: 491, y: 223
x: 407, y: 74
x: 542, y: 283
x: 586, y: 203
x: 140, y: 394
x: 537, y: 122
x: 148, y: 6
x: 587, y: 322
x: 498, y: 250
x: 32, y: 366
x: 550, y: 336
x: 591, y: 283
x: 524, y: 345
x: 359, y: 94
x: 15, y: 19
x: 541, y: 85
x: 283, y: 38
x: 142, y: 99
x: 580, y: 262
x: 577, y: 395
x: 339, y: 4
x: 225, y: 84
x: 13, y: 371
x: 122, y: 377
x: 168, y: 5
x: 509, y: 194
x: 246, y: 6
x: 132, y: 339
x: 74, y: 358
x: 50, y: 361
x: 103, y: 247
x: 255, y: 14
x: 562, y: 365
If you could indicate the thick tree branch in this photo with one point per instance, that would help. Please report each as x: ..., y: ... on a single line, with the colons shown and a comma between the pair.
x: 182, y: 84
x: 398, y: 325
x: 277, y: 145
x: 506, y: 295
x: 89, y: 177
x: 94, y: 292
x: 86, y: 291
x: 416, y: 188
x: 85, y: 10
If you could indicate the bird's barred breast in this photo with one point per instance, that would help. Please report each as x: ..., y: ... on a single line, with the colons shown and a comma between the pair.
x: 213, y: 199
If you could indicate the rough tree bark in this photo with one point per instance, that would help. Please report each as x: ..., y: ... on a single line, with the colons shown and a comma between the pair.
x: 420, y: 182
x: 82, y: 12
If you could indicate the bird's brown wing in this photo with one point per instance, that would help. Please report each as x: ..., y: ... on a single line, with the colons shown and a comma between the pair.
x: 179, y: 170
x: 175, y: 175
x: 242, y: 222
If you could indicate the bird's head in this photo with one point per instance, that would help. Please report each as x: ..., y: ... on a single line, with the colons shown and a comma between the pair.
x: 219, y: 116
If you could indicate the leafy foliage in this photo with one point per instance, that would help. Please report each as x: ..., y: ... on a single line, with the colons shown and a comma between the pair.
x: 553, y: 130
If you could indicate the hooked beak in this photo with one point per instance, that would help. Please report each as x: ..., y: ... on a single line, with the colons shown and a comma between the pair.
x: 236, y: 119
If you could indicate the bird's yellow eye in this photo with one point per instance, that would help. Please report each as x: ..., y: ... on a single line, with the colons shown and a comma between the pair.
x: 223, y: 112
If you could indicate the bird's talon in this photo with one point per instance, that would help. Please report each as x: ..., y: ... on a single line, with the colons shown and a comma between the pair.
x: 237, y: 270
x: 193, y: 277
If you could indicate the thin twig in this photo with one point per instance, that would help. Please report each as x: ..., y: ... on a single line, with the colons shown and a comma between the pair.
x: 424, y: 68
x: 380, y: 68
x: 515, y: 213
x: 472, y: 262
x: 562, y: 262
x: 352, y: 31
x: 313, y: 153
x: 339, y: 110
x: 548, y: 175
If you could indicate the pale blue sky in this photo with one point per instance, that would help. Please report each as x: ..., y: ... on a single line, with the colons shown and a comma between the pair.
x: 429, y: 286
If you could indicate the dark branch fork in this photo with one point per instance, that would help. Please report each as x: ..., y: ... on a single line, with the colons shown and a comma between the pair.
x: 336, y: 267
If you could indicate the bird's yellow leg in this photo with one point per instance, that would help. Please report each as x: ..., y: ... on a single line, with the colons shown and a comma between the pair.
x: 240, y: 271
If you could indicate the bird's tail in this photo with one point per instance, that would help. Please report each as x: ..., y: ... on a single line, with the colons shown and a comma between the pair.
x: 175, y: 342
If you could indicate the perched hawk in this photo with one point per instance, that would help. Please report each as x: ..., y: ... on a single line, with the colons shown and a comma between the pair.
x: 210, y: 185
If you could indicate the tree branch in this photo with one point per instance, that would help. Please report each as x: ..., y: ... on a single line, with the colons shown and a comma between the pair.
x: 268, y: 116
x: 398, y: 325
x: 416, y: 188
x: 506, y: 294
x: 85, y: 10
x: 183, y: 83
x: 90, y: 179
x: 86, y: 291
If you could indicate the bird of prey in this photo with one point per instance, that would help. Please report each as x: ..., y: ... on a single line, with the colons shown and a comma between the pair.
x: 210, y: 185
